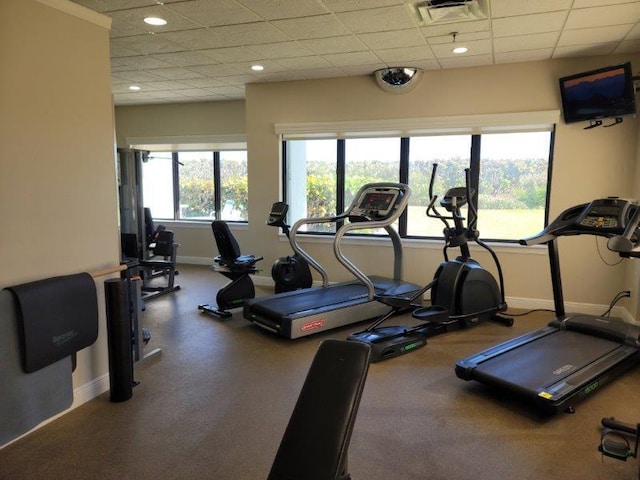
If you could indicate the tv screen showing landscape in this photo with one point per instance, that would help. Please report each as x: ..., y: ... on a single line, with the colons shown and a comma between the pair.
x: 607, y: 92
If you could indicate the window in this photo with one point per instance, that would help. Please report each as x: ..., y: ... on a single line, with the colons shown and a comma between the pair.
x: 196, y: 186
x: 509, y: 172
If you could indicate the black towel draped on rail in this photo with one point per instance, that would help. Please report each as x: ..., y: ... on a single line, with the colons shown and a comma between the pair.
x: 57, y: 317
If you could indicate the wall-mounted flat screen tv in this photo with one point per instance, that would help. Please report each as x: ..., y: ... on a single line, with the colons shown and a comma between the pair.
x: 602, y: 93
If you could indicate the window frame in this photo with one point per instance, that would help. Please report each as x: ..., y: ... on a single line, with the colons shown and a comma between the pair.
x: 217, y: 185
x: 404, y: 176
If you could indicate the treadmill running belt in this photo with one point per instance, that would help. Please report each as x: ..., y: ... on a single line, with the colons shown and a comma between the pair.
x: 292, y: 303
x: 536, y: 365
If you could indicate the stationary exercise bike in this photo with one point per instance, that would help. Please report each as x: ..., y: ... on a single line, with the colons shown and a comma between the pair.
x: 462, y: 292
x: 291, y: 272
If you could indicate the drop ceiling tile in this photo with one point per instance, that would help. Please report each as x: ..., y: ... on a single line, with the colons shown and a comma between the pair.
x: 217, y: 70
x: 121, y: 88
x: 470, y: 61
x: 138, y: 62
x: 110, y: 5
x: 397, y: 56
x: 318, y: 26
x: 148, y: 44
x: 193, y: 92
x: 199, y: 39
x: 135, y: 17
x: 429, y: 64
x: 476, y: 48
x: 525, y: 42
x: 228, y: 90
x: 220, y: 12
x: 460, y: 27
x: 358, y: 70
x: 285, y: 8
x: 410, y: 37
x: 122, y: 29
x: 250, y: 34
x: 584, y: 50
x: 581, y: 36
x: 461, y: 38
x: 281, y: 50
x: 269, y: 66
x: 232, y: 54
x: 342, y: 44
x: 353, y: 58
x: 526, y: 24
x: 322, y: 73
x: 305, y: 63
x: 203, y: 82
x: 350, y: 5
x: 383, y: 19
x: 161, y: 85
x: 165, y: 94
x: 523, y: 55
x: 634, y: 33
x: 597, y: 3
x: 139, y: 76
x: 175, y: 73
x: 240, y: 80
x: 510, y: 8
x: 628, y: 46
x: 601, y: 16
x: 281, y: 76
x: 183, y: 59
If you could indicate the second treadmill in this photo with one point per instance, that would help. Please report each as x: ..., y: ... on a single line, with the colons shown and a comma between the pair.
x: 575, y: 354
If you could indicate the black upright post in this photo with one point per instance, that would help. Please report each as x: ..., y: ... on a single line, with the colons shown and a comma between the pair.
x: 556, y: 278
x: 119, y: 340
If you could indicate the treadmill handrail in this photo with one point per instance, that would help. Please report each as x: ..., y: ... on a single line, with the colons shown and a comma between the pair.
x: 386, y: 224
x: 293, y: 241
x: 559, y: 227
x: 627, y: 244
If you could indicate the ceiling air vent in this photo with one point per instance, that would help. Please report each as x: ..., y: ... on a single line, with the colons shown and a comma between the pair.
x: 450, y: 11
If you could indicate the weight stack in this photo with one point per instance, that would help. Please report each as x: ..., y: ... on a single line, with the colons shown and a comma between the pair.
x: 119, y: 340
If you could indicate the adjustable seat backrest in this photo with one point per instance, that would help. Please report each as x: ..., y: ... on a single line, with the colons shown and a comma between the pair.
x: 164, y: 244
x: 316, y: 440
x: 227, y: 245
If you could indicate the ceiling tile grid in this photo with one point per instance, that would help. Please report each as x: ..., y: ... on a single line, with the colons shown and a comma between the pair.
x: 207, y: 48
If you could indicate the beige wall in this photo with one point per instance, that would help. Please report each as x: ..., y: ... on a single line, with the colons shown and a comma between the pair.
x: 587, y: 164
x: 57, y: 170
x: 205, y: 118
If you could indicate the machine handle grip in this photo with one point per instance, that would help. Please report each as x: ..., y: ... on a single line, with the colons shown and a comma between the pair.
x: 614, y: 424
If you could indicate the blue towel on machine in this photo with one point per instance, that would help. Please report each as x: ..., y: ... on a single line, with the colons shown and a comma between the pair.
x: 56, y: 317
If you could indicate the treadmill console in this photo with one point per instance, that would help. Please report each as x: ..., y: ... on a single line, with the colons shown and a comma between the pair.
x: 375, y: 204
x: 606, y: 216
x: 277, y: 214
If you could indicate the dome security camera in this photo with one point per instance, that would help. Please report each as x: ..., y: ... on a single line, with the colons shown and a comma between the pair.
x: 398, y: 79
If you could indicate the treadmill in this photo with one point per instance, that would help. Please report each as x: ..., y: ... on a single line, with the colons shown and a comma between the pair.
x: 575, y: 354
x: 312, y: 310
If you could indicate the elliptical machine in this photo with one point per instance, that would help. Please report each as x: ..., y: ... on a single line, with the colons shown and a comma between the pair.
x: 462, y: 292
x: 291, y: 272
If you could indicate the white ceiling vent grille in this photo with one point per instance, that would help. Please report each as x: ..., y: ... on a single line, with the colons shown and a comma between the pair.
x: 450, y: 11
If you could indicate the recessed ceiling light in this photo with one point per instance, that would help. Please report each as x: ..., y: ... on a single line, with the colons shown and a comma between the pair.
x: 257, y: 68
x: 459, y: 50
x: 155, y: 21
x: 134, y: 88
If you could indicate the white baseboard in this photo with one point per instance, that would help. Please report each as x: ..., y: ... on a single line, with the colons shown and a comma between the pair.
x: 586, y: 308
x: 514, y: 302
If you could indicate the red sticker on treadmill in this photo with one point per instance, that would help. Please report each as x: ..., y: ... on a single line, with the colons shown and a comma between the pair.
x: 312, y: 325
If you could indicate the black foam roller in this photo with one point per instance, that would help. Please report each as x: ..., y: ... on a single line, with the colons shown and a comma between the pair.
x: 119, y: 340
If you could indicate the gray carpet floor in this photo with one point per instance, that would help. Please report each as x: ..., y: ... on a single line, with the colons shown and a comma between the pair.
x: 214, y: 405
